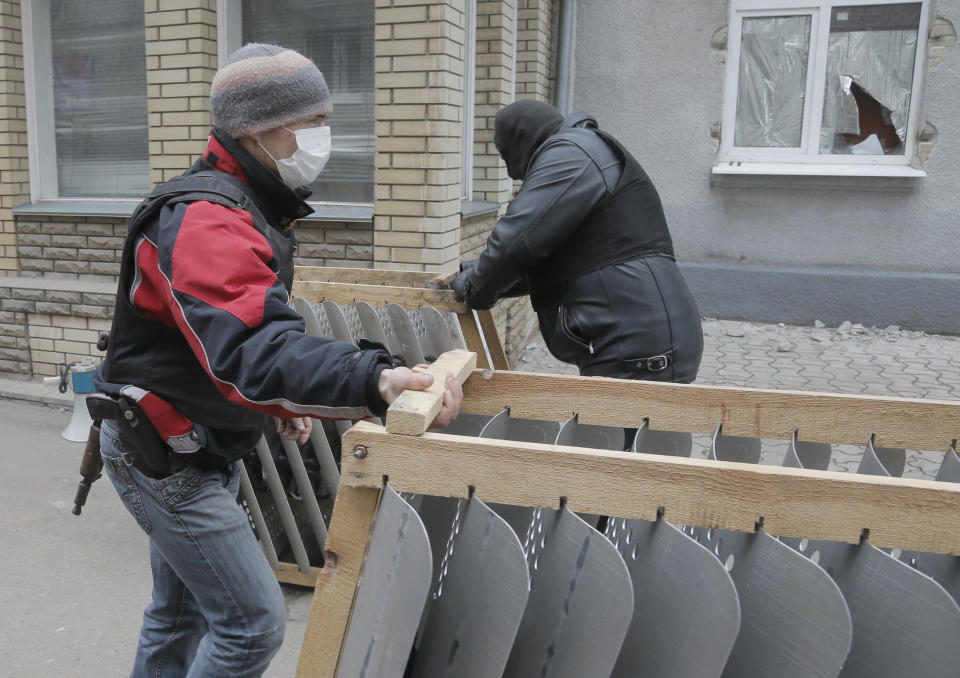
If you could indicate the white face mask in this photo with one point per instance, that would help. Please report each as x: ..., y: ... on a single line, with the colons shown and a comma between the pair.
x: 304, y: 166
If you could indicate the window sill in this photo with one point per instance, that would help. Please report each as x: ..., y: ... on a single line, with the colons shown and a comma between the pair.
x: 817, y: 170
x: 78, y: 207
x: 470, y: 209
x: 338, y: 212
x: 123, y: 209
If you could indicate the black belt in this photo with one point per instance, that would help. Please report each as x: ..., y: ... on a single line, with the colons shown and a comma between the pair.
x: 656, y: 363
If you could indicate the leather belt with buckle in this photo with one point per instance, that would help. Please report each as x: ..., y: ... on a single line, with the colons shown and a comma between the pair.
x: 656, y: 363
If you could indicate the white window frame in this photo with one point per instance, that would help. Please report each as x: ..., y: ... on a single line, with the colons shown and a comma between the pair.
x: 469, y: 97
x: 38, y: 94
x: 807, y: 159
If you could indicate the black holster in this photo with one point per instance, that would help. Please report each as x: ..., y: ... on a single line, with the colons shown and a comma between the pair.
x: 143, y: 446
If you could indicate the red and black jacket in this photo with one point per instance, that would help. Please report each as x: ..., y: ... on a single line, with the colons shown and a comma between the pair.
x: 202, y: 317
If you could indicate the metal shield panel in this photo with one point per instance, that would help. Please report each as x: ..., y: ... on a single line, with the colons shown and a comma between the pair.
x: 479, y: 599
x: 465, y: 425
x: 811, y: 455
x: 581, y: 602
x: 882, y: 461
x: 338, y: 322
x: 406, y: 335
x: 394, y: 587
x: 944, y: 569
x: 904, y: 623
x: 950, y: 468
x: 503, y: 427
x: 735, y: 448
x: 573, y: 433
x: 371, y: 328
x: 309, y: 316
x: 686, y: 610
x: 441, y: 336
x: 443, y: 328
x: 672, y: 443
x: 794, y: 621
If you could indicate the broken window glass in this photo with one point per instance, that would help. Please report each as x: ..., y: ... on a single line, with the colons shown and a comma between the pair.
x: 773, y: 81
x: 870, y: 61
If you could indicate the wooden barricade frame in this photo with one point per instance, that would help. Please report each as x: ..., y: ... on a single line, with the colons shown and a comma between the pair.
x: 410, y: 289
x: 922, y: 515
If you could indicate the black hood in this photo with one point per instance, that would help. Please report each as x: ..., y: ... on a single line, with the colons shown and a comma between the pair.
x: 519, y: 129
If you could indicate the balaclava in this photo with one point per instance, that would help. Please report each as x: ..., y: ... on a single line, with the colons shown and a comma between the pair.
x: 519, y: 129
x: 262, y: 87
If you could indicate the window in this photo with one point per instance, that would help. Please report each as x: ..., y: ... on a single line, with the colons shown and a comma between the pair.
x: 85, y: 62
x: 822, y: 87
x: 338, y: 36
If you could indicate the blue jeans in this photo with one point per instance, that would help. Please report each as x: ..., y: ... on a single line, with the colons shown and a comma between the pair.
x: 217, y: 609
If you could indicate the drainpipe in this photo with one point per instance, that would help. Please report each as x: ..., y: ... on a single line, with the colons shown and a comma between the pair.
x: 563, y: 98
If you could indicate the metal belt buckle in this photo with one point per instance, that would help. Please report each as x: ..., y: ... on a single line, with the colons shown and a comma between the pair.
x: 658, y: 363
x: 126, y: 458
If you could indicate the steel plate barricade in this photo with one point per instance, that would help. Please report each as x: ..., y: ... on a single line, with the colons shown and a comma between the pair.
x: 482, y: 557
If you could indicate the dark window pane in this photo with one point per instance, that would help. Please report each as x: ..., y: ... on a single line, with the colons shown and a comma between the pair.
x: 338, y: 36
x: 100, y: 97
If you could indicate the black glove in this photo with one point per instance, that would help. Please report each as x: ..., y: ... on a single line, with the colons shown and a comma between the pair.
x: 461, y: 284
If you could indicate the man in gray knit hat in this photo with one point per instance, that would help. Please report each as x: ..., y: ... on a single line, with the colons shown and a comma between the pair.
x: 204, y: 349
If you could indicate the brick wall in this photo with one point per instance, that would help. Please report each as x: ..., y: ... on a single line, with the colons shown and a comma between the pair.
x: 181, y: 61
x: 494, y: 90
x: 535, y: 49
x: 335, y: 244
x: 75, y: 247
x: 14, y: 173
x: 419, y: 81
x: 46, y: 322
x: 47, y: 314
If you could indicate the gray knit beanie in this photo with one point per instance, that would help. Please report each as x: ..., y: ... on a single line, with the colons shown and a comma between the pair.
x: 262, y: 87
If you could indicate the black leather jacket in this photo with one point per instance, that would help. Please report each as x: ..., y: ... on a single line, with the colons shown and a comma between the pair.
x: 587, y: 239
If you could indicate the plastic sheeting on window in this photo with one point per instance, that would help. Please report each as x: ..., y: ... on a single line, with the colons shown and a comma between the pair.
x: 866, y: 65
x: 773, y: 81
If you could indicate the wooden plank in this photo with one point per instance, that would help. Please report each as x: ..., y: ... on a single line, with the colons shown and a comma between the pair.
x: 489, y: 328
x: 364, y: 276
x: 922, y: 515
x: 471, y: 335
x: 413, y: 411
x: 336, y: 584
x: 442, y: 280
x: 289, y: 573
x: 912, y: 423
x: 377, y: 295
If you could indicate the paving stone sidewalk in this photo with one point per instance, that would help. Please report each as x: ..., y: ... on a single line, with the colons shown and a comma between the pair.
x: 845, y: 359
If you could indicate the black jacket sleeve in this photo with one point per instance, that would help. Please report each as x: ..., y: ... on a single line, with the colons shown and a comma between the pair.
x: 563, y: 185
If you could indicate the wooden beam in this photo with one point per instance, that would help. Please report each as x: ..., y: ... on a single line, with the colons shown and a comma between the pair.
x: 289, y: 573
x: 336, y: 586
x: 471, y: 335
x: 922, y: 515
x: 377, y: 295
x: 364, y: 276
x: 413, y: 411
x: 489, y: 328
x: 913, y: 423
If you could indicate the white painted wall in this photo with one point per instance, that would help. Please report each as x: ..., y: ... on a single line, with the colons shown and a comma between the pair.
x: 644, y: 69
